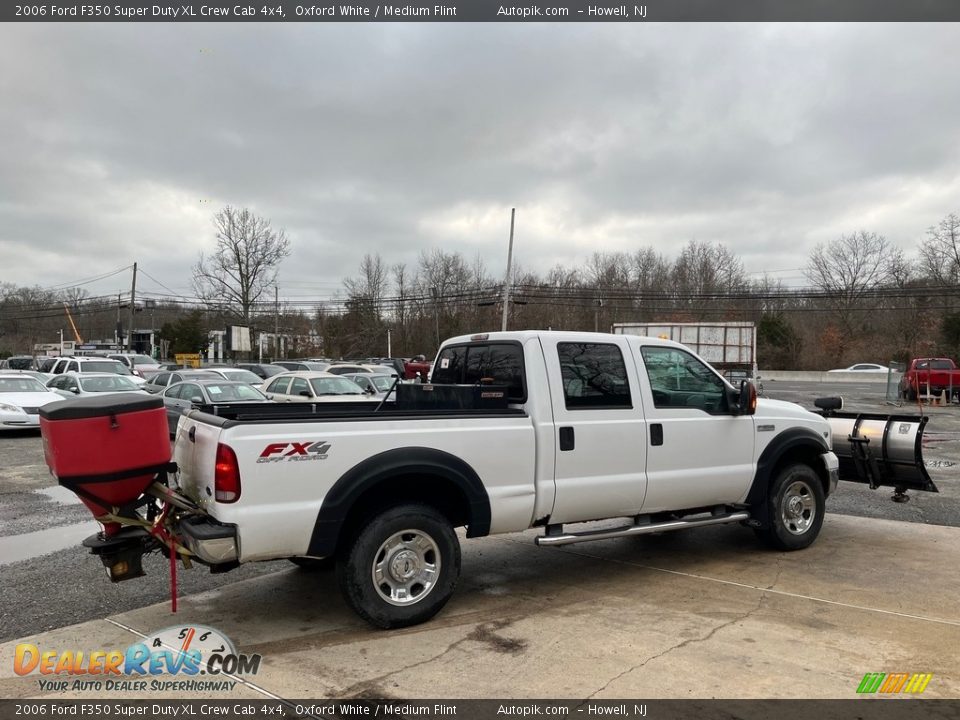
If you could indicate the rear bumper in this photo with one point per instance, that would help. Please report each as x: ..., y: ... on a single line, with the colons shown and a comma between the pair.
x: 211, y: 542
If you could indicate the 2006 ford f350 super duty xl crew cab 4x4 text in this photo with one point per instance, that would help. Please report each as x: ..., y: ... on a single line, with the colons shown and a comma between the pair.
x: 515, y: 430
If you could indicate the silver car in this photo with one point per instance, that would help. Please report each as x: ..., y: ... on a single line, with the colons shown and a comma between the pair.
x: 182, y: 397
x: 313, y: 387
x: 74, y: 384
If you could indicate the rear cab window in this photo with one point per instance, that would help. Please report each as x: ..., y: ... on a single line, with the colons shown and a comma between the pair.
x: 470, y: 363
x: 594, y: 376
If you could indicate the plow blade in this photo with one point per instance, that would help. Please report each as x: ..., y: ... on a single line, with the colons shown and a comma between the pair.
x: 881, y: 450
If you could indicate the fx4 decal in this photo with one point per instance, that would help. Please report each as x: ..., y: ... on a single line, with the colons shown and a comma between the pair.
x: 294, y: 452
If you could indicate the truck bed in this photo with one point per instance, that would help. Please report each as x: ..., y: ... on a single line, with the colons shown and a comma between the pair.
x: 227, y: 415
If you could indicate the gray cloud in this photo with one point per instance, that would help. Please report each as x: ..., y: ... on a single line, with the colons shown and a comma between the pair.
x: 120, y: 141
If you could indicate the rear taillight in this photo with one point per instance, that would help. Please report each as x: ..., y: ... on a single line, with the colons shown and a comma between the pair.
x: 226, y: 476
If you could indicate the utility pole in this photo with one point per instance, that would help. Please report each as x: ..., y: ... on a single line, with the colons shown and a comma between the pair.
x: 276, y: 322
x: 389, y: 349
x: 133, y: 308
x: 506, y: 283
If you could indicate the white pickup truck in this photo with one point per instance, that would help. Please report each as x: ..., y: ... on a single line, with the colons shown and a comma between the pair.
x: 591, y: 427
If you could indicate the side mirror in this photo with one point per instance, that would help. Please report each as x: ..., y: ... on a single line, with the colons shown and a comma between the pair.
x: 75, y: 391
x: 304, y: 393
x: 747, y: 402
x: 744, y: 401
x: 196, y: 399
x: 829, y: 404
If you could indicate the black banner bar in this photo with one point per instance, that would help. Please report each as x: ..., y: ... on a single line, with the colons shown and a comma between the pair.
x: 864, y: 708
x: 487, y: 11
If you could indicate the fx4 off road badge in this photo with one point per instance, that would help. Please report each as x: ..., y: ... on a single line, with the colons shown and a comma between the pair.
x: 294, y: 452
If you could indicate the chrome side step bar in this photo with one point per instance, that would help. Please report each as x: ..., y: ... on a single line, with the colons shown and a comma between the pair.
x: 556, y: 536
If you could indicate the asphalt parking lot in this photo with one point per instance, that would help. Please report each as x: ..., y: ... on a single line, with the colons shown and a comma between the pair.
x: 696, y: 614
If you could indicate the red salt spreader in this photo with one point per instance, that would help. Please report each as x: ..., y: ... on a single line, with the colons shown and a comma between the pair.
x: 110, y: 450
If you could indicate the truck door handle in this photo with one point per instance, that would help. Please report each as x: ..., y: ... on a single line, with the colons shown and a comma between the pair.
x: 656, y: 434
x: 566, y: 438
x: 192, y: 434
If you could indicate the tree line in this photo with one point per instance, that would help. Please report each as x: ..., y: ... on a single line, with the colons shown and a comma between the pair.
x: 866, y: 299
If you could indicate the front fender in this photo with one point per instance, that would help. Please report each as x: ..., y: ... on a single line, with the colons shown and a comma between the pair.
x: 799, y: 441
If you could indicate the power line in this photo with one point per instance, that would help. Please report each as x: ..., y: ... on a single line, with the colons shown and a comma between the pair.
x: 78, y: 283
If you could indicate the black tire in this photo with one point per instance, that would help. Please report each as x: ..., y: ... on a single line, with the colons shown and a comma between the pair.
x: 414, y: 552
x: 796, y: 505
x: 314, y: 564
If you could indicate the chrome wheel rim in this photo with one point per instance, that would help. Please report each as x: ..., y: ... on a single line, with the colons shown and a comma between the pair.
x: 406, y: 567
x: 798, y: 507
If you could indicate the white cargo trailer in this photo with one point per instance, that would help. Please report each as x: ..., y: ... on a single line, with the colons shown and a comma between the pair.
x: 731, y: 347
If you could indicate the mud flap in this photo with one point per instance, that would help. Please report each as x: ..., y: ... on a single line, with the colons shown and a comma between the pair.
x: 881, y: 450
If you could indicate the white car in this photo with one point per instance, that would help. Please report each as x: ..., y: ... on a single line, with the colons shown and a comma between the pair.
x: 863, y: 367
x: 358, y: 368
x: 21, y: 397
x: 74, y: 384
x: 313, y: 387
x: 88, y: 364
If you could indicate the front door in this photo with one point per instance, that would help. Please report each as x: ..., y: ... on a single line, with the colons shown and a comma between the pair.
x: 700, y: 453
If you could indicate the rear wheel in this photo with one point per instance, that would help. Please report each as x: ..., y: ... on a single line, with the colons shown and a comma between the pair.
x: 796, y: 506
x: 401, y: 566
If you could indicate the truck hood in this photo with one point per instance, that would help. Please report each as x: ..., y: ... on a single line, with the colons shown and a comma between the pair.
x: 768, y: 409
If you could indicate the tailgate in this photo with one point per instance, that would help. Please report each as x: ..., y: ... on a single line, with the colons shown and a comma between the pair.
x: 195, y: 453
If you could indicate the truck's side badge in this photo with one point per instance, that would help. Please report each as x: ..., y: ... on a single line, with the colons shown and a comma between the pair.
x: 766, y: 428
x: 294, y: 451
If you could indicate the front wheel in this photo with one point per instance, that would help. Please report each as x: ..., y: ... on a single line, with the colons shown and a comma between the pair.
x: 401, y: 567
x: 796, y: 506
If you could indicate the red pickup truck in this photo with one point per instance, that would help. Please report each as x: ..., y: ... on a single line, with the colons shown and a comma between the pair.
x: 417, y: 368
x: 930, y: 376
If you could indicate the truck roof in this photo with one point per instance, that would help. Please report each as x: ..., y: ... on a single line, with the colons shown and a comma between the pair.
x: 576, y: 336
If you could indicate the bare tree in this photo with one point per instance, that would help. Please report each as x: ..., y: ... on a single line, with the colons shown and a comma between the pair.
x: 401, y: 285
x: 363, y: 323
x: 703, y: 274
x: 244, y: 264
x: 851, y: 268
x: 940, y: 253
x: 371, y: 284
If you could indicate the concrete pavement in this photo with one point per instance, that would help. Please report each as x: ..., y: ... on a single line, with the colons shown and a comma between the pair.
x: 697, y: 614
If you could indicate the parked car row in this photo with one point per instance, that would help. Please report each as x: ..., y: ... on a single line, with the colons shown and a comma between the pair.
x: 23, y: 392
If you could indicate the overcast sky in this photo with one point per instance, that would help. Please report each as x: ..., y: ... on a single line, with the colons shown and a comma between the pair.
x: 119, y: 142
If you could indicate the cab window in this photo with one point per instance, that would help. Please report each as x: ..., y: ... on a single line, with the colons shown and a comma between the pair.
x: 594, y: 376
x: 678, y: 379
x: 500, y: 362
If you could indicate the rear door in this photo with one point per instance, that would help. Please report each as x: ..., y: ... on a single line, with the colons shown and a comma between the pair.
x: 600, y: 468
x: 700, y: 453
